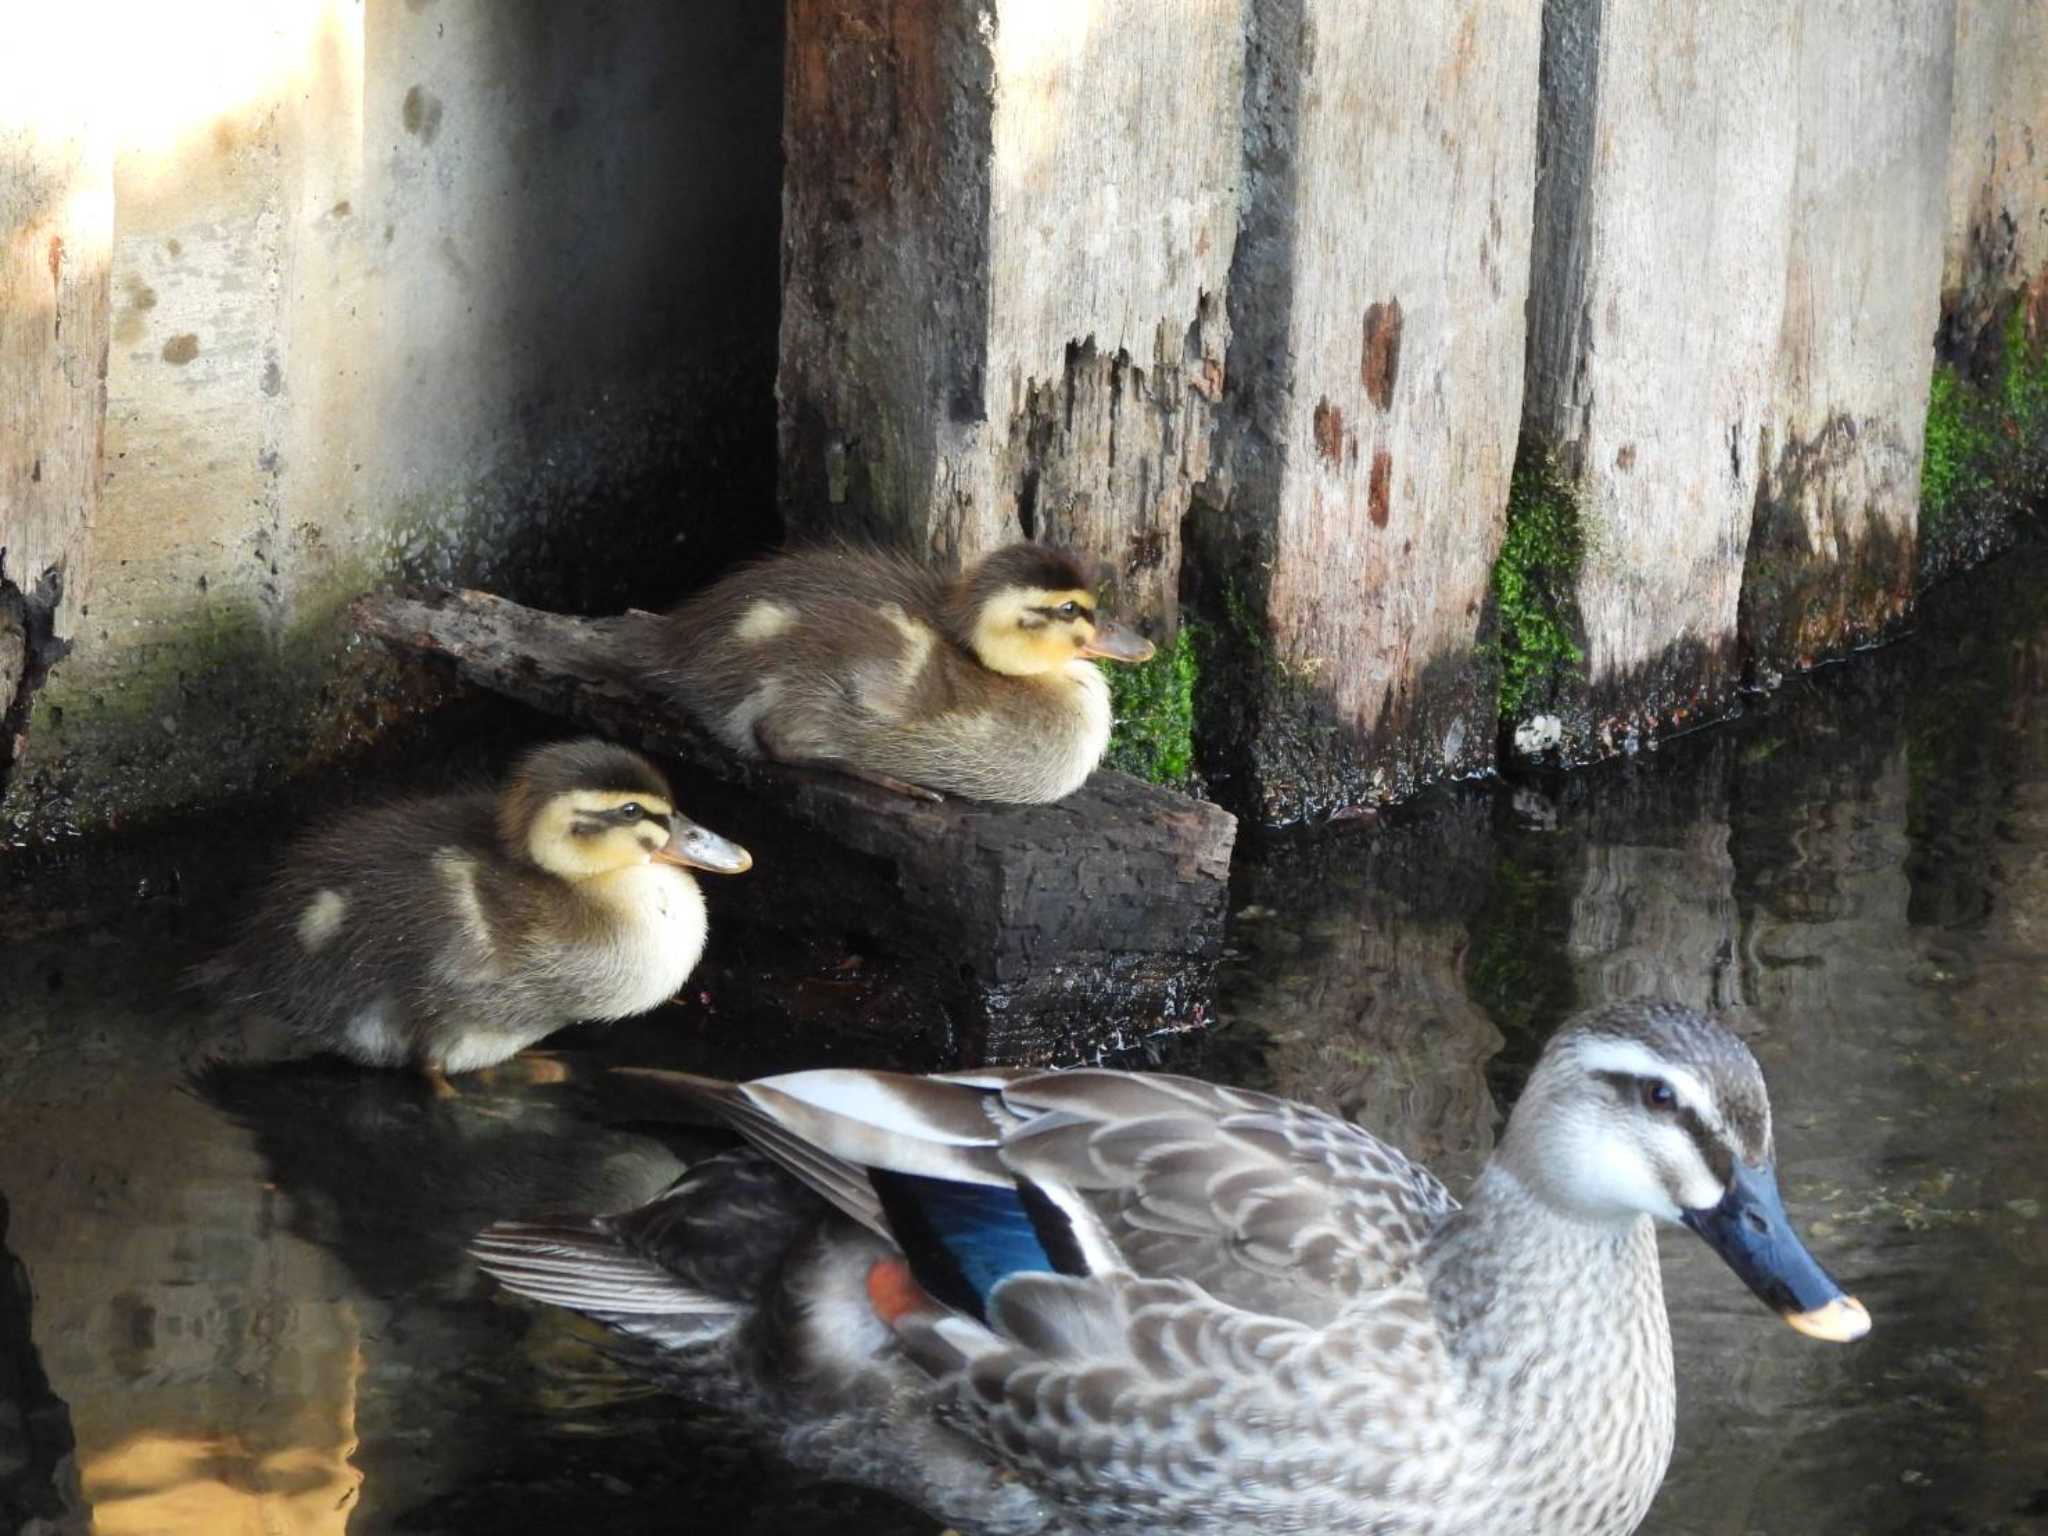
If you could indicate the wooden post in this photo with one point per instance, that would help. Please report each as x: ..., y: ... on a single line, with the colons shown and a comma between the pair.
x: 1830, y: 562
x: 56, y: 239
x: 1988, y: 462
x: 1007, y: 230
x: 1730, y: 313
x: 1376, y: 310
x: 1664, y: 183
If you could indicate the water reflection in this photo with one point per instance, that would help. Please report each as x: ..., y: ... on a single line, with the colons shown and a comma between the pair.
x: 251, y: 1294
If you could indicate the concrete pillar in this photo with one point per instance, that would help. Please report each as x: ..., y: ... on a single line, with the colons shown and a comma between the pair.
x: 56, y: 233
x: 1007, y: 228
x: 1376, y: 307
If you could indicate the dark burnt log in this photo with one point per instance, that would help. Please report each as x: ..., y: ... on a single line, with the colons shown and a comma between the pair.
x: 1040, y: 932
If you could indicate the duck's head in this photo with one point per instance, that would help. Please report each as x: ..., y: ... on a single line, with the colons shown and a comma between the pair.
x: 579, y: 809
x: 1030, y: 609
x: 1646, y: 1108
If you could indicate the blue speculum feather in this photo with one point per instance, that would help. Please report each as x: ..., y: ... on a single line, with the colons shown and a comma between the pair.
x: 960, y: 1239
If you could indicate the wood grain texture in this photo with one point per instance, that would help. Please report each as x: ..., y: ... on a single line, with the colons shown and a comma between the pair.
x: 1662, y: 241
x: 1043, y: 931
x: 1830, y: 562
x: 1008, y: 231
x: 1377, y: 323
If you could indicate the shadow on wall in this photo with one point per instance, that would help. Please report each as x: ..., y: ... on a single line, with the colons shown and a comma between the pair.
x: 622, y: 170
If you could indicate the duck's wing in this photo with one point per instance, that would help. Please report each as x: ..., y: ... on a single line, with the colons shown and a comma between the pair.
x: 1263, y: 1203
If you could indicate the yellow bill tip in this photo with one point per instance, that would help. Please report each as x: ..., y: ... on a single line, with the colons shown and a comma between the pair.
x: 1839, y: 1322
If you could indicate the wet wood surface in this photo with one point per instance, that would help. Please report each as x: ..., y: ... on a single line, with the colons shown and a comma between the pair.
x: 1040, y: 931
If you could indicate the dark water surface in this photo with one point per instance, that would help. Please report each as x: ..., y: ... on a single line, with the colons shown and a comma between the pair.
x: 251, y: 1313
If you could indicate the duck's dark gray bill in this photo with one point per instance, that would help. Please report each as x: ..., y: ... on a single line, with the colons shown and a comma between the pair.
x: 694, y: 847
x: 1751, y: 1232
x: 1113, y: 642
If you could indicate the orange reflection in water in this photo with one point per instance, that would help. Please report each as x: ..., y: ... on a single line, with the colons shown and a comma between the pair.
x: 292, y: 1478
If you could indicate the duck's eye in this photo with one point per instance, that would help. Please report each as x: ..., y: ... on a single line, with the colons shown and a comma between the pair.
x: 632, y: 810
x: 1657, y: 1094
x: 1069, y: 610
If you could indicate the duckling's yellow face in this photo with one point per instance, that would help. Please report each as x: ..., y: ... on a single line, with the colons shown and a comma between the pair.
x: 584, y: 833
x: 1026, y: 631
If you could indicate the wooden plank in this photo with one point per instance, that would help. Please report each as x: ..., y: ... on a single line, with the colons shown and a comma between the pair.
x: 1376, y: 311
x: 1009, y: 225
x: 1040, y: 931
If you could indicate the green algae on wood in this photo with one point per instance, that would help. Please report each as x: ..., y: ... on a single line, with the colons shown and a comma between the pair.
x: 1534, y: 580
x: 1984, y: 465
x: 1154, y: 706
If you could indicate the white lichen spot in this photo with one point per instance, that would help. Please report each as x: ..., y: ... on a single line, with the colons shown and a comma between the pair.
x: 322, y: 919
x: 1539, y: 733
x: 764, y: 621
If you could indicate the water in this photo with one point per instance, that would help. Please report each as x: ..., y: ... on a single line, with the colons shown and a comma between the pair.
x: 253, y: 1314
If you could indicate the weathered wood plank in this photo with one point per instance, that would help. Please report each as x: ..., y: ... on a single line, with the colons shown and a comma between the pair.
x: 1376, y: 309
x: 1656, y: 303
x: 1041, y: 930
x: 1730, y: 319
x: 1007, y: 234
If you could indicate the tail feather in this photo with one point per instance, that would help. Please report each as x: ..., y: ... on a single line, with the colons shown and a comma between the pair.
x: 583, y: 1268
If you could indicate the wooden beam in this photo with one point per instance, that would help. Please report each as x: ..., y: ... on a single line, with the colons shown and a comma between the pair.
x: 1042, y: 932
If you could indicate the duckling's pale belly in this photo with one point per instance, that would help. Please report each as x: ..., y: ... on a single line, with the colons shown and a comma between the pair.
x: 656, y: 937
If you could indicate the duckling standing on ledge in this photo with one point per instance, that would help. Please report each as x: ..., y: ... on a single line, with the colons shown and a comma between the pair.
x: 451, y: 932
x: 981, y: 685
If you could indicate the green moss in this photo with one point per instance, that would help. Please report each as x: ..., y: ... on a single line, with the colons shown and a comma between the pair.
x: 1960, y: 443
x: 1155, y: 713
x: 1535, y: 578
x: 1987, y: 438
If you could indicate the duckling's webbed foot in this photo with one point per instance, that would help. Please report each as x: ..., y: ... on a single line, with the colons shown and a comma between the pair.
x: 894, y: 785
x: 438, y: 1084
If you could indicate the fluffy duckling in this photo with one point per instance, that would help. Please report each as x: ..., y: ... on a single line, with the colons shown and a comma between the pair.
x: 981, y: 684
x: 450, y: 932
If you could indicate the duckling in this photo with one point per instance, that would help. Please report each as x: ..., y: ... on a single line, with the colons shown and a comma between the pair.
x: 1111, y: 1302
x: 450, y: 932
x: 981, y: 684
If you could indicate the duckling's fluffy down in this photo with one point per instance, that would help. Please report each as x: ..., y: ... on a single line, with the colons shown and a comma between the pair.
x: 859, y: 659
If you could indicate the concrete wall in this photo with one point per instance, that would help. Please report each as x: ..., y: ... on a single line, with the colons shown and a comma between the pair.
x: 425, y: 289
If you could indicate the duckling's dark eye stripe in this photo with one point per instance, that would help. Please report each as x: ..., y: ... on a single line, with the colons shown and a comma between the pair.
x: 1081, y: 611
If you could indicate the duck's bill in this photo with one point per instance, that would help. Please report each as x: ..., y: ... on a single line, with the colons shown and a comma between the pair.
x: 694, y: 847
x: 1751, y: 1232
x: 1113, y: 642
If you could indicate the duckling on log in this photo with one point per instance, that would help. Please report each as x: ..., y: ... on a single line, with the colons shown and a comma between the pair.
x: 982, y: 684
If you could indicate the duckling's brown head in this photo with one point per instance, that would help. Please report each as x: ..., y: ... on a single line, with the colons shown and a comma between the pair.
x: 579, y: 809
x: 1030, y: 609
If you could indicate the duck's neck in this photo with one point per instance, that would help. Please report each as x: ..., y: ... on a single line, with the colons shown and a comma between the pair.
x: 1557, y: 1326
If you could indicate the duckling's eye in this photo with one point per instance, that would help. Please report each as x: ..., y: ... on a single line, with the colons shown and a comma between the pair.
x: 1068, y: 610
x: 1657, y: 1094
x: 632, y: 810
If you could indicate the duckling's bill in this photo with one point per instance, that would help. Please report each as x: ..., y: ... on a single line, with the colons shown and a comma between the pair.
x: 1114, y: 642
x: 695, y: 847
x: 1754, y: 1237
